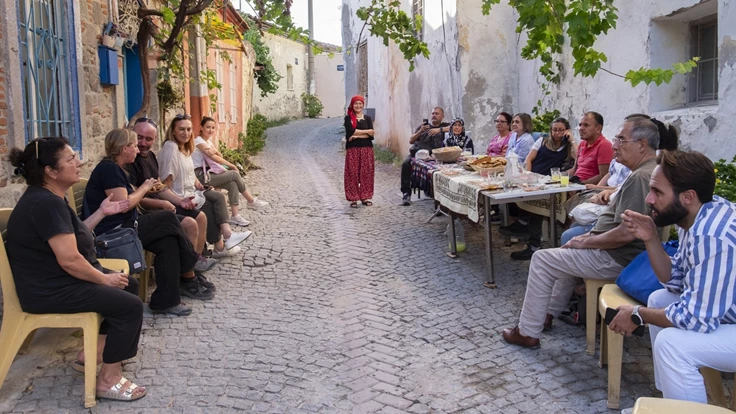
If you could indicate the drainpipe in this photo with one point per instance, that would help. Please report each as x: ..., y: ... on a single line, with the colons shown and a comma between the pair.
x: 310, y: 55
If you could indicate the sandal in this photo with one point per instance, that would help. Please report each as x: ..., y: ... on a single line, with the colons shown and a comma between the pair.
x: 117, y: 393
x: 78, y: 366
x: 367, y: 202
x: 354, y: 204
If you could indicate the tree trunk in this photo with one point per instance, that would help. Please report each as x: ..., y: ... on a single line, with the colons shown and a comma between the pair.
x: 145, y: 31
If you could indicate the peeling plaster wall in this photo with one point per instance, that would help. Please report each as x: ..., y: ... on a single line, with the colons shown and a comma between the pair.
x: 662, y: 27
x: 285, y: 102
x: 488, y: 57
x: 402, y: 98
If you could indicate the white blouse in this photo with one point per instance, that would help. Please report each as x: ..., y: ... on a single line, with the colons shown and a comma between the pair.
x: 172, y: 162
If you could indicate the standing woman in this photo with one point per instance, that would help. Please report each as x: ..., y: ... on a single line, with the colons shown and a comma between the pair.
x: 177, y: 171
x: 500, y: 143
x: 204, y: 155
x: 359, y: 168
x: 52, y: 255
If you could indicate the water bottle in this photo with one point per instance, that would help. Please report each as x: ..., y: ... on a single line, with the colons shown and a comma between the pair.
x: 459, y: 236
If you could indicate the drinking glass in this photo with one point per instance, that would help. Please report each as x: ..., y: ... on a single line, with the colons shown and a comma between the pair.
x: 564, y: 179
x: 555, y: 173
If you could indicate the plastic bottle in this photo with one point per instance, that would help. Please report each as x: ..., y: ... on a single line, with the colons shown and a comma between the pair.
x: 459, y: 236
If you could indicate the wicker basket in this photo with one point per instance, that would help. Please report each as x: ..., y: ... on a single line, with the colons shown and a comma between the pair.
x: 447, y: 154
x: 494, y: 170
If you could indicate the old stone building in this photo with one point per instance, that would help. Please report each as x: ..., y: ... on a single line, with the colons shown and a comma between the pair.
x: 475, y: 70
x: 56, y: 78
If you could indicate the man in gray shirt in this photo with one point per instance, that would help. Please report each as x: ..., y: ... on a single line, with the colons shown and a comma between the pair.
x: 429, y: 135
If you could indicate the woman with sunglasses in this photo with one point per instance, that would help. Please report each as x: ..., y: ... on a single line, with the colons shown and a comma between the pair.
x: 177, y: 171
x: 52, y: 255
x: 500, y: 143
x: 208, y: 166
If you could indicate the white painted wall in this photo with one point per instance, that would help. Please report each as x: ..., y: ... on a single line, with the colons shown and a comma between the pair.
x: 485, y: 73
x: 285, y: 102
x: 330, y: 84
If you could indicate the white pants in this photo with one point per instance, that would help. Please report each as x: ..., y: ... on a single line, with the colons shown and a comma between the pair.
x: 551, y: 282
x: 679, y: 353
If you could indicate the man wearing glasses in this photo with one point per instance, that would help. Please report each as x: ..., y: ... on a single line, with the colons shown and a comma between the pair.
x: 600, y: 254
x: 429, y: 135
x: 144, y: 167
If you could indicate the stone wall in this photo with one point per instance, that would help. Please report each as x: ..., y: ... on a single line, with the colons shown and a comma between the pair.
x: 285, y: 102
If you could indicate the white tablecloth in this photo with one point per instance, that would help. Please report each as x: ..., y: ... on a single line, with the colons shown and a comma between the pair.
x: 457, y: 195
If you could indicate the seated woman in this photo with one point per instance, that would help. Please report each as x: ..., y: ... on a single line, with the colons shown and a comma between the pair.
x: 500, y: 143
x: 52, y: 255
x: 228, y: 180
x: 521, y: 140
x: 160, y: 231
x: 177, y: 172
x: 552, y: 151
x: 456, y: 136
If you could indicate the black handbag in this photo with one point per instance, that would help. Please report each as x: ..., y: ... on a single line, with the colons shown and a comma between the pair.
x: 122, y: 243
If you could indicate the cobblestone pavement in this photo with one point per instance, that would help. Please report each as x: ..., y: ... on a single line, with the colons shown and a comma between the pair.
x: 332, y: 309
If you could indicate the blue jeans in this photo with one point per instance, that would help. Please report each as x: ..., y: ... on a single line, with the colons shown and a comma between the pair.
x: 575, y: 230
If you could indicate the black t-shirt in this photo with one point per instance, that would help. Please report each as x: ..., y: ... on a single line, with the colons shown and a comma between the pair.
x: 39, y: 216
x: 365, y: 123
x: 429, y: 142
x: 142, y: 168
x: 106, y: 176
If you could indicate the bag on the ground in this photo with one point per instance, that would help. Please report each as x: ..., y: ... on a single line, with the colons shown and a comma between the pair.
x: 638, y: 279
x: 122, y: 243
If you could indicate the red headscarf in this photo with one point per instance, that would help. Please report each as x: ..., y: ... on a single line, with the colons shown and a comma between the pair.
x: 353, y: 119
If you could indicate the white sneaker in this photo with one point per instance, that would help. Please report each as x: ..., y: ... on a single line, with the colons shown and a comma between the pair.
x: 627, y: 410
x: 239, y: 220
x: 236, y: 238
x: 257, y: 204
x: 225, y: 252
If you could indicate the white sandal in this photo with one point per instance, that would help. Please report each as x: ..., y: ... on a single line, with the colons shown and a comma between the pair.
x: 115, y: 392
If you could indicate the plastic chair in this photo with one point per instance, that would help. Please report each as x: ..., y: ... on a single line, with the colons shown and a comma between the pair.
x: 592, y: 288
x: 646, y: 405
x: 612, y: 344
x: 18, y: 326
x: 714, y: 386
x: 75, y: 195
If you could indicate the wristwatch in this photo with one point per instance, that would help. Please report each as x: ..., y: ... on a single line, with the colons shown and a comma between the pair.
x: 635, y: 317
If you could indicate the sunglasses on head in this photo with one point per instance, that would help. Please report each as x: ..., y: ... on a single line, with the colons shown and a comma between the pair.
x: 182, y: 116
x: 148, y: 120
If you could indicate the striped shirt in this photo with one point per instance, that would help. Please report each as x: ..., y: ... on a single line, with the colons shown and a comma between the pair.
x: 703, y: 270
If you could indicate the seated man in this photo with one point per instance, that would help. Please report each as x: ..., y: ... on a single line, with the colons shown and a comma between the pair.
x: 692, y: 322
x: 427, y: 136
x: 595, y: 151
x: 602, y: 253
x: 144, y: 167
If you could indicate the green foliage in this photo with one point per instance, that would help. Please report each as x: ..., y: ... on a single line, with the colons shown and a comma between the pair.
x: 388, y: 21
x: 267, y: 76
x: 542, y: 122
x: 277, y: 122
x: 726, y: 179
x: 168, y: 96
x: 659, y: 76
x: 385, y: 155
x: 312, y: 105
x: 250, y: 143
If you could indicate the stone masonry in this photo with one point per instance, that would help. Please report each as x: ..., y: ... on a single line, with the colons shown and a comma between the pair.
x: 337, y: 310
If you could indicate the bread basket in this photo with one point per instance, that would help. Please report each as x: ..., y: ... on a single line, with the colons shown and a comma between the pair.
x: 447, y: 154
x: 495, y: 165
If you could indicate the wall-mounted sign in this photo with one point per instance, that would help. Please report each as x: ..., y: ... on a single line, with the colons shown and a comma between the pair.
x: 296, y: 61
x: 340, y: 68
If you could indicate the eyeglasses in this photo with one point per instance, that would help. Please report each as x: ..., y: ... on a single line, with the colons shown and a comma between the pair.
x: 558, y: 130
x: 179, y: 117
x: 619, y: 141
x: 498, y: 121
x: 148, y: 120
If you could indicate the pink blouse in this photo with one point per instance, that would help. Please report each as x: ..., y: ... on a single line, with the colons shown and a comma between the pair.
x: 498, y: 145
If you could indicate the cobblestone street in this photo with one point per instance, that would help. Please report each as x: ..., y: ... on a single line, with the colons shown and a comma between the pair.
x: 333, y: 309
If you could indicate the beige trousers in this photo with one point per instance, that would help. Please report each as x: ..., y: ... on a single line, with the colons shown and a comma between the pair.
x: 551, y: 282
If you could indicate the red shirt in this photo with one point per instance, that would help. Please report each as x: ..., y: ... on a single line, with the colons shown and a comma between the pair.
x: 593, y: 155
